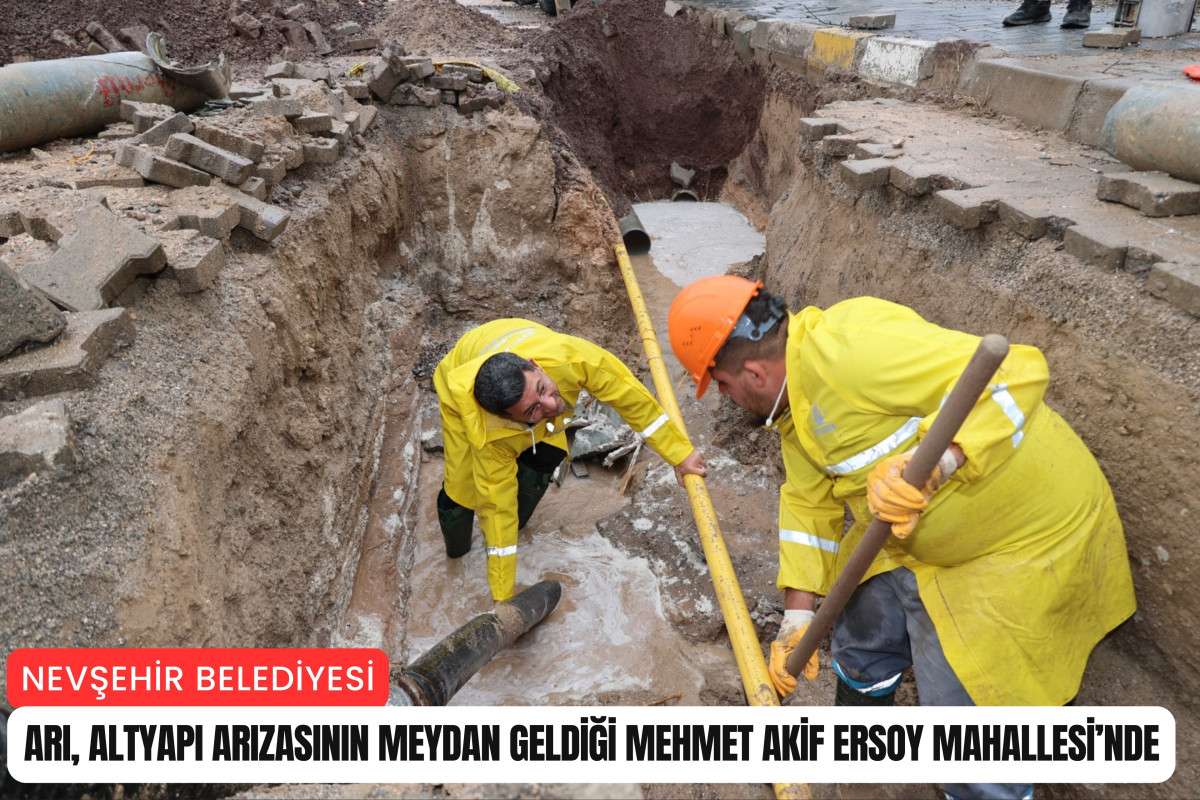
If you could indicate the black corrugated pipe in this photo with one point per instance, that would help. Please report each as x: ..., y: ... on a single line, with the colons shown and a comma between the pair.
x: 437, y: 676
x: 637, y: 241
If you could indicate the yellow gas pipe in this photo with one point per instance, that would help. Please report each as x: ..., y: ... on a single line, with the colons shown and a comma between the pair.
x: 746, y: 650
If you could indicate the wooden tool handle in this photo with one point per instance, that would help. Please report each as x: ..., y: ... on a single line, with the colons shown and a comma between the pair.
x: 971, y: 384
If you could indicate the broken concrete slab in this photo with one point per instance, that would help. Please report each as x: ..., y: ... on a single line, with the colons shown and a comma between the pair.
x: 113, y: 175
x: 865, y: 150
x: 741, y: 36
x: 311, y: 72
x: 350, y: 28
x: 193, y: 258
x: 261, y: 219
x: 144, y: 115
x: 682, y: 176
x: 280, y: 69
x: 672, y: 8
x: 72, y: 361
x: 205, y: 209
x: 836, y: 48
x: 449, y: 82
x: 412, y: 95
x: 159, y: 169
x: 102, y: 35
x: 321, y: 151
x: 226, y: 165
x: 247, y: 25
x: 1040, y: 98
x: 1178, y: 284
x: 895, y: 60
x: 162, y: 131
x: 966, y: 208
x: 255, y: 186
x: 366, y: 117
x: 97, y: 262
x: 384, y: 80
x: 871, y: 173
x: 244, y: 91
x: 488, y: 98
x: 295, y: 11
x: 872, y: 22
x: 38, y: 439
x: 1112, y: 38
x: 419, y: 68
x: 360, y: 43
x: 287, y: 107
x: 840, y: 145
x: 917, y: 179
x: 813, y: 128
x: 26, y: 315
x: 1155, y: 194
x: 1095, y: 244
x: 357, y: 89
x: 317, y: 37
x: 312, y: 122
x: 118, y: 130
x: 272, y: 169
x: 229, y: 140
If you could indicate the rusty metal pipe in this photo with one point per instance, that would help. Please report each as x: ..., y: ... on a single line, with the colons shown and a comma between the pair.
x: 437, y: 676
x: 41, y: 101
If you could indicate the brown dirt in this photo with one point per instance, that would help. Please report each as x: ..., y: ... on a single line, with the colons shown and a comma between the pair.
x: 196, y: 30
x: 628, y: 111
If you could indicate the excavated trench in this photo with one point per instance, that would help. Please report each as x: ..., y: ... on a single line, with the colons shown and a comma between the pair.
x: 270, y: 480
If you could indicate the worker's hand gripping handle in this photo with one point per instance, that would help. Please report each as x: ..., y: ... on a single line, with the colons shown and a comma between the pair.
x: 971, y: 384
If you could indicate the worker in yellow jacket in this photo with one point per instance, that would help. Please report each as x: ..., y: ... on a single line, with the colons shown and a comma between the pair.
x: 506, y: 390
x: 1018, y: 566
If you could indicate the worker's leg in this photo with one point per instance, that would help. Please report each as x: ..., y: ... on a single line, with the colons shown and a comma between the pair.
x: 870, y: 645
x: 937, y: 685
x: 456, y: 522
x: 534, y: 470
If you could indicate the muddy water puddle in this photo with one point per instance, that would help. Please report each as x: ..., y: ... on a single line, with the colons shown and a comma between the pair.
x: 608, y: 639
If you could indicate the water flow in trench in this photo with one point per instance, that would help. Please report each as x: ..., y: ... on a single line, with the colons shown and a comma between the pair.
x: 609, y: 639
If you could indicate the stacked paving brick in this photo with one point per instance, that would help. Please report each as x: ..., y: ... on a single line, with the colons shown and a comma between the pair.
x: 413, y: 80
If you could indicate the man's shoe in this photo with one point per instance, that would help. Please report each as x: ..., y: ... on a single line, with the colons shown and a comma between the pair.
x: 1079, y: 14
x: 1030, y: 12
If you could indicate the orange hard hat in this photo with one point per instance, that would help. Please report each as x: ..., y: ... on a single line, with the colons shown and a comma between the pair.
x: 701, y: 319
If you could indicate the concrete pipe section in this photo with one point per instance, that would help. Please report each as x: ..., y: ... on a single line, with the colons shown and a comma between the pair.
x: 435, y: 677
x: 634, y: 236
x: 1156, y: 128
x: 41, y: 101
x: 684, y: 195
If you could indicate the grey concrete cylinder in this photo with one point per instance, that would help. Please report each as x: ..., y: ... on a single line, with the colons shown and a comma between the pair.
x: 637, y: 241
x: 41, y: 101
x: 1157, y: 128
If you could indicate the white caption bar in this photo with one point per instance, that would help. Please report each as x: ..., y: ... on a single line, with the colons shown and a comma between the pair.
x: 517, y: 744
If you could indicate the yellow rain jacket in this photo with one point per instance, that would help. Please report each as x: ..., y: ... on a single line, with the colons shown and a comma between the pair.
x: 482, y: 448
x: 1020, y: 558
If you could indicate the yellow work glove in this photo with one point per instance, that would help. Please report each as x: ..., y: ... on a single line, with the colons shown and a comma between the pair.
x: 895, y: 500
x: 795, y: 623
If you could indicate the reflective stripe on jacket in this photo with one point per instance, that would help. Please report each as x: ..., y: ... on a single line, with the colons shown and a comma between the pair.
x: 481, y: 449
x: 1020, y: 559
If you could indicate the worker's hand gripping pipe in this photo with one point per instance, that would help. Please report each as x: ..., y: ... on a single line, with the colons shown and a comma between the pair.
x: 971, y: 384
x: 742, y: 636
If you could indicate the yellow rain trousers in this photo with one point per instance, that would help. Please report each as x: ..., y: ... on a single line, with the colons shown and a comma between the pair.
x: 1020, y: 558
x: 482, y: 448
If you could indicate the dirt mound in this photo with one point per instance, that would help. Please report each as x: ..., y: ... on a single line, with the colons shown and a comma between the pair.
x: 197, y: 30
x: 443, y: 28
x: 630, y: 107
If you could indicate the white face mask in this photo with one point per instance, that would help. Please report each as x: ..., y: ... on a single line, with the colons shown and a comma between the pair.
x: 775, y: 406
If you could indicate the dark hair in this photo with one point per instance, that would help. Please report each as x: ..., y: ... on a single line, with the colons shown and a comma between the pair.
x: 773, y: 343
x: 500, y: 382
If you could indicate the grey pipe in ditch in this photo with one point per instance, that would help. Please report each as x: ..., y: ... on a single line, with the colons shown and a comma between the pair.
x: 45, y: 100
x: 437, y: 676
x: 637, y: 241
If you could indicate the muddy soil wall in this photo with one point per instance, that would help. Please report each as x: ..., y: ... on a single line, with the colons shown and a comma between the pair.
x: 225, y: 459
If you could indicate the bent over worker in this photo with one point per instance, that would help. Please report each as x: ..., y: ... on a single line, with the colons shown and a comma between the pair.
x: 505, y: 390
x: 1018, y: 565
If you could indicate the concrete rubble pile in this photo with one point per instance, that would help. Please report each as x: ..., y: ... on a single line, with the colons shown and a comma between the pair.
x: 412, y: 80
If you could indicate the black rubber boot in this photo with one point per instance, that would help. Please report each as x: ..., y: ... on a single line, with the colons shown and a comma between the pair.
x: 531, y: 485
x: 1079, y: 14
x: 847, y: 696
x: 1030, y: 12
x: 456, y: 522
